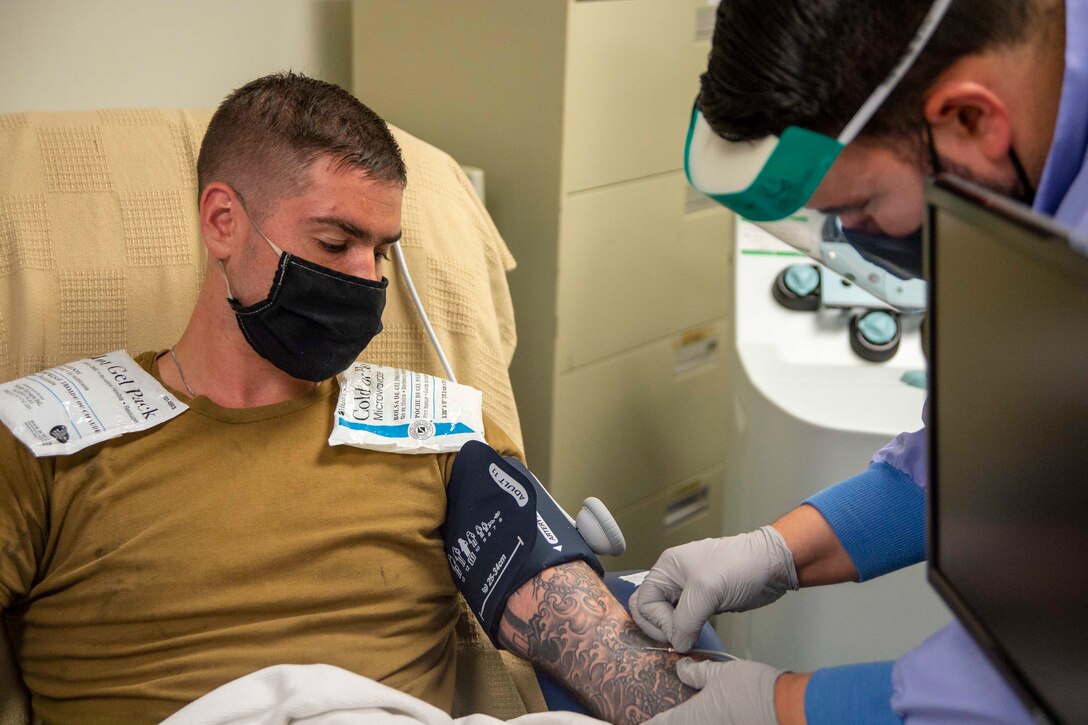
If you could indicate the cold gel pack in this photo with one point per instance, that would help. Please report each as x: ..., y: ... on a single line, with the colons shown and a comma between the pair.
x: 67, y: 408
x: 401, y: 411
x: 502, y: 527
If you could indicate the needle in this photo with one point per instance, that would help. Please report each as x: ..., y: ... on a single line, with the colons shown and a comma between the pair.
x: 713, y: 654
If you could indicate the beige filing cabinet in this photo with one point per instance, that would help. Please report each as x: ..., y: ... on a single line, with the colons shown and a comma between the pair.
x: 576, y: 111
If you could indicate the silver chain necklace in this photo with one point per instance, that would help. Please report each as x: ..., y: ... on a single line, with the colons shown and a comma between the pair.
x: 192, y: 393
x: 181, y: 372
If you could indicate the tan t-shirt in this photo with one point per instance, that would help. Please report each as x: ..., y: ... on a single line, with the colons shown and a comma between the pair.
x: 143, y: 572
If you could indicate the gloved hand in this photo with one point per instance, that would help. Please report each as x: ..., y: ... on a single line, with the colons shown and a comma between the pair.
x: 731, y: 574
x: 732, y: 693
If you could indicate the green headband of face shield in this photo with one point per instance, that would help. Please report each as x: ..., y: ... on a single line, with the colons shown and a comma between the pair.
x: 764, y: 180
x: 771, y: 179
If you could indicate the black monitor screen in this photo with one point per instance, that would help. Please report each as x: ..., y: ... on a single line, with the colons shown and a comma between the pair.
x: 1008, y: 435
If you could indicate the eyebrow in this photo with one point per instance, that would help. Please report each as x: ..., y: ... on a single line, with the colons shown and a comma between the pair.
x: 351, y: 229
x: 854, y: 205
x: 840, y: 210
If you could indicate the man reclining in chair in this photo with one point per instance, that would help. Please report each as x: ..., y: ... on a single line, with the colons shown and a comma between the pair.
x: 144, y: 571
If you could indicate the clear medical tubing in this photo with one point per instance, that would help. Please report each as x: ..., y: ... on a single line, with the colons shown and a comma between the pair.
x: 600, y: 514
x: 403, y: 265
x: 921, y: 39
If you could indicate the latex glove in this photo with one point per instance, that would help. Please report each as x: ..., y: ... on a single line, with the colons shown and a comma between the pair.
x: 732, y: 693
x: 693, y: 581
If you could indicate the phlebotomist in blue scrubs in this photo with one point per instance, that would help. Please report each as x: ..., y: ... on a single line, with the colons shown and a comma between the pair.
x: 820, y: 119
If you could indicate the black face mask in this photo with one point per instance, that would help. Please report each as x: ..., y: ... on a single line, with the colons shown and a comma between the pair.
x: 315, y: 321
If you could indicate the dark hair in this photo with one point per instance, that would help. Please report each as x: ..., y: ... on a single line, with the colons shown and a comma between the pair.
x: 263, y: 138
x: 813, y: 63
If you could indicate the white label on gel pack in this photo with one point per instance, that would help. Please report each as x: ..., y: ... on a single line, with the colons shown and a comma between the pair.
x: 401, y: 411
x: 67, y: 408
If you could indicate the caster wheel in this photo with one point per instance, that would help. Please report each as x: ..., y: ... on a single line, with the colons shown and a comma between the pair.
x: 875, y: 335
x: 797, y: 287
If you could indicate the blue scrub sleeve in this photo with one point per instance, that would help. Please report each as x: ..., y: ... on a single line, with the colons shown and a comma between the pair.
x: 851, y: 694
x: 879, y: 516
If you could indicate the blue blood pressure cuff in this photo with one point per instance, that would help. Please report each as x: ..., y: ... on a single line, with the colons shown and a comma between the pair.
x: 502, y: 528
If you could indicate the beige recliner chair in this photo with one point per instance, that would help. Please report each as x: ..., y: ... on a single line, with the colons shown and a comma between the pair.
x: 100, y: 249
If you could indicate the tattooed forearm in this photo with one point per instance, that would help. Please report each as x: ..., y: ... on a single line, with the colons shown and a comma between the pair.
x: 566, y: 622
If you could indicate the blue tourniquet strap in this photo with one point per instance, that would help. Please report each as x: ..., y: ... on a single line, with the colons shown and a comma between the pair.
x: 879, y: 517
x: 851, y: 694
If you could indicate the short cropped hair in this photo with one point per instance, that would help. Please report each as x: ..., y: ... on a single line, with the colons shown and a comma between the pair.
x: 813, y: 63
x: 263, y: 139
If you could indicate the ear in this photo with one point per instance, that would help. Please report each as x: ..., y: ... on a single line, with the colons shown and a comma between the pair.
x: 969, y: 118
x: 220, y: 219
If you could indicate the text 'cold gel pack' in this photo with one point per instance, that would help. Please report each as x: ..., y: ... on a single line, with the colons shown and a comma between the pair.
x: 400, y: 411
x: 67, y: 408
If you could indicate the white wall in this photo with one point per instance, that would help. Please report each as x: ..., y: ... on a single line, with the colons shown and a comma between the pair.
x: 83, y: 54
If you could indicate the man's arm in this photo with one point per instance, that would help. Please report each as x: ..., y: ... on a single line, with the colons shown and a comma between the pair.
x: 566, y: 622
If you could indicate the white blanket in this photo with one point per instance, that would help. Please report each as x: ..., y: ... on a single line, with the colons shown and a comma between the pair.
x: 327, y: 695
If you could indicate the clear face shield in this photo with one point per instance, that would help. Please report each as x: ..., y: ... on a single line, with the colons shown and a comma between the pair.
x: 770, y: 181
